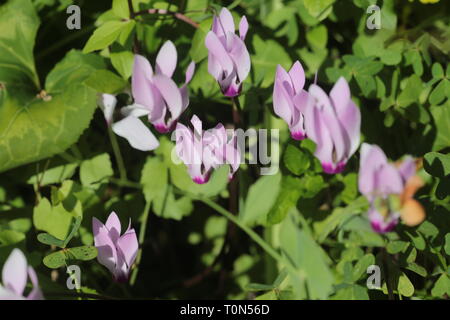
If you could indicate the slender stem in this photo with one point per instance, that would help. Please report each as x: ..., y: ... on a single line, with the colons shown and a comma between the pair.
x: 117, y: 155
x: 125, y: 183
x: 176, y: 15
x: 142, y: 231
x: 236, y: 109
x: 252, y: 234
x: 130, y: 7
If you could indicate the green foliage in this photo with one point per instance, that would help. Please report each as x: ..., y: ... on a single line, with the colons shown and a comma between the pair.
x: 297, y: 234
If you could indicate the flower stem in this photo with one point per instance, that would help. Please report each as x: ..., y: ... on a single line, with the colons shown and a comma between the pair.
x: 117, y: 155
x: 176, y: 15
x: 252, y: 234
x: 142, y: 231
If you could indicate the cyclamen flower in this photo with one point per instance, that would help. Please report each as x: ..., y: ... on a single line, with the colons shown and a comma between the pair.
x: 203, y: 151
x: 333, y: 123
x: 389, y: 189
x: 15, y: 274
x: 155, y: 93
x: 289, y: 98
x: 131, y: 128
x: 228, y: 58
x: 116, y: 252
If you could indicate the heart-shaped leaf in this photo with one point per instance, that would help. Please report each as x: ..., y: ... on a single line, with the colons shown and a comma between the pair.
x: 36, y: 123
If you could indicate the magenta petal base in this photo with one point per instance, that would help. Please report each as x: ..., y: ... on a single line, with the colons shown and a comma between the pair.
x: 201, y: 180
x: 231, y: 92
x: 380, y: 227
x: 331, y: 169
x: 161, y: 128
x: 298, y: 135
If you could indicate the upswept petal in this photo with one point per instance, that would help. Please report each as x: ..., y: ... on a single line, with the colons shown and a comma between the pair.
x: 107, y: 254
x: 14, y: 273
x: 243, y: 28
x: 36, y: 293
x: 297, y: 75
x: 372, y: 158
x: 128, y: 245
x: 170, y: 93
x: 217, y: 49
x: 141, y: 81
x: 166, y: 60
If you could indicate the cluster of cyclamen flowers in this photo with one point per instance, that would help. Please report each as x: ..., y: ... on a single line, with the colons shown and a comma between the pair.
x: 332, y: 121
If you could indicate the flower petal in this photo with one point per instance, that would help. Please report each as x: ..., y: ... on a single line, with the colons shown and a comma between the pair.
x: 107, y: 254
x: 128, y: 245
x: 107, y: 103
x: 114, y: 227
x: 170, y: 93
x: 14, y: 273
x: 243, y: 28
x: 297, y: 75
x: 36, y: 293
x: 138, y: 135
x: 166, y: 60
x: 222, y: 58
x: 141, y: 81
x: 372, y: 159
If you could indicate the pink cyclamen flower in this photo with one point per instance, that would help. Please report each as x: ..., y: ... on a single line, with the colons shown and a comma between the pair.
x: 333, y: 123
x: 203, y: 151
x: 155, y: 93
x: 228, y: 58
x: 289, y: 98
x: 116, y: 252
x: 389, y: 189
x: 131, y: 127
x: 15, y: 274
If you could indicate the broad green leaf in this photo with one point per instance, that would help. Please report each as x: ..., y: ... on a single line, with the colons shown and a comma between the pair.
x: 441, y: 116
x: 260, y: 199
x: 198, y: 49
x: 11, y: 237
x: 121, y: 9
x: 83, y: 253
x: 397, y: 246
x: 440, y: 92
x: 291, y: 189
x: 351, y: 292
x: 316, y: 8
x: 154, y: 178
x: 411, y: 91
x: 123, y: 62
x: 96, y: 170
x: 296, y: 160
x: 361, y: 266
x: 268, y: 54
x: 308, y: 257
x: 441, y: 286
x: 106, y: 34
x: 50, y: 240
x: 405, y: 287
x: 34, y: 124
x: 55, y: 260
x: 104, y: 81
x: 54, y: 175
x: 19, y: 23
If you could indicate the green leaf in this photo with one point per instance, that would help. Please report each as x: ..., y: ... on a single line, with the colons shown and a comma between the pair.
x: 361, y: 266
x: 123, y: 62
x: 54, y: 175
x: 19, y: 23
x: 291, y: 189
x: 316, y: 8
x: 268, y: 54
x: 121, y: 9
x: 154, y: 178
x: 96, y: 170
x: 440, y: 92
x: 54, y: 220
x: 405, y: 287
x: 437, y: 71
x: 106, y: 34
x: 50, y: 240
x: 411, y: 92
x: 55, y: 260
x: 198, y: 49
x: 437, y: 164
x: 295, y: 160
x: 105, y: 81
x: 34, y: 127
x: 397, y: 246
x: 447, y: 244
x: 351, y: 292
x: 83, y: 253
x: 441, y: 116
x: 441, y: 286
x: 260, y: 199
x: 308, y: 257
x: 11, y: 237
